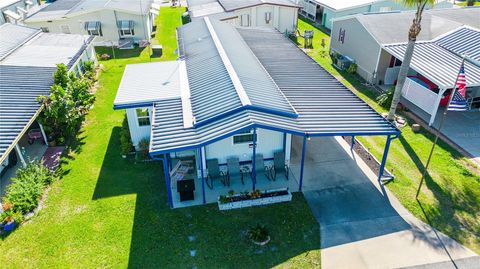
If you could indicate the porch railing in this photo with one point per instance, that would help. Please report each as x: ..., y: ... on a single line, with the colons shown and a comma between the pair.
x: 420, y: 96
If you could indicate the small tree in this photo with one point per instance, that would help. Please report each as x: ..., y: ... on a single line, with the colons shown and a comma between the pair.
x: 413, y: 32
x: 67, y: 104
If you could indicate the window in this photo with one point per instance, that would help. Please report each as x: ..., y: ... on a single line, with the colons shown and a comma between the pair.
x: 97, y: 32
x: 245, y: 20
x: 243, y: 137
x: 125, y: 28
x: 143, y: 116
x: 268, y: 17
x: 65, y: 29
x: 127, y: 32
x: 45, y: 29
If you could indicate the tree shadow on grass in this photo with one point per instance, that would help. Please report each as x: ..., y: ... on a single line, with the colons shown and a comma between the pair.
x: 160, y: 235
x: 116, y: 53
x: 451, y: 202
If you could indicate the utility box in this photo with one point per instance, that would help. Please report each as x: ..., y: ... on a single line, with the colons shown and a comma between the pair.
x: 157, y: 51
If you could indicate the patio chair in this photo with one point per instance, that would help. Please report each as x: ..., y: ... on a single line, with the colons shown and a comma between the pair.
x: 279, y: 166
x: 234, y: 172
x: 261, y: 171
x: 214, y: 173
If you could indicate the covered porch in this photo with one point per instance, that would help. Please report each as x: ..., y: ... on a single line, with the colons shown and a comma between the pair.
x: 191, y: 169
x: 30, y: 147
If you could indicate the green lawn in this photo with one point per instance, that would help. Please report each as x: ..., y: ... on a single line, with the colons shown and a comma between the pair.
x: 110, y: 212
x: 451, y: 198
x: 463, y: 4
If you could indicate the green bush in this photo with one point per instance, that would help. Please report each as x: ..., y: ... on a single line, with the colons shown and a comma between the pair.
x: 385, y: 99
x: 125, y: 138
x: 66, y: 106
x: 143, y: 146
x: 258, y: 233
x: 352, y: 69
x: 27, y: 187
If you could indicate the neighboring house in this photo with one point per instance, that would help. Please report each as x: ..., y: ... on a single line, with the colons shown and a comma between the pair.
x: 325, y: 11
x: 15, y: 11
x: 118, y: 22
x: 375, y: 43
x: 280, y: 14
x: 28, y: 59
x: 240, y: 93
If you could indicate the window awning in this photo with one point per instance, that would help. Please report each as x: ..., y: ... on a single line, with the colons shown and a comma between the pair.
x: 92, y: 25
x: 125, y: 25
x: 12, y: 15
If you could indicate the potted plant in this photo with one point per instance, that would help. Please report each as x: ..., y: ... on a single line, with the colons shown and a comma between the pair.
x: 259, y: 235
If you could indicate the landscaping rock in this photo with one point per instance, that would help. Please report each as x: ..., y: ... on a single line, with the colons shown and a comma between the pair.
x: 193, y: 252
x: 416, y: 127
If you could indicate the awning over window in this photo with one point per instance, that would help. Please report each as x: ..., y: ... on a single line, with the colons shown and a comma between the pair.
x: 12, y: 15
x: 92, y: 25
x: 125, y: 25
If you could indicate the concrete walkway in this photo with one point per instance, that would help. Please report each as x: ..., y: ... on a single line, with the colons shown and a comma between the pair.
x: 362, y: 224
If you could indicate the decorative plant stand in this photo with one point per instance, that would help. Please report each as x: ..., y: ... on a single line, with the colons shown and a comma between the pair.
x: 267, y: 197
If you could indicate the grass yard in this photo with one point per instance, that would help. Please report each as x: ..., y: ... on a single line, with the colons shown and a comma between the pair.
x: 450, y: 198
x: 112, y: 213
x: 464, y: 3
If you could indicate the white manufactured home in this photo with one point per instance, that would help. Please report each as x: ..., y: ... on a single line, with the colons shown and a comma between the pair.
x: 28, y: 59
x: 15, y: 11
x: 324, y: 12
x: 279, y: 14
x: 232, y: 105
x: 118, y: 22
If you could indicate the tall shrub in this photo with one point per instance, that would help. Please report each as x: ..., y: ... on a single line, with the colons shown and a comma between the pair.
x: 65, y: 107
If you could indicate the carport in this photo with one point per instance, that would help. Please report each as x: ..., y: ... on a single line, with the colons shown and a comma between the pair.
x: 304, y: 100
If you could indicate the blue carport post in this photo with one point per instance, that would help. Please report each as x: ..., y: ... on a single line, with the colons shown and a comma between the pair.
x: 353, y: 142
x: 384, y: 158
x: 302, y: 164
x: 254, y: 172
x: 167, y: 180
x: 203, y: 174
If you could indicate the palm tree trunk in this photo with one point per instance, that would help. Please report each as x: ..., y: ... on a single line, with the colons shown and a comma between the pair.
x: 402, y: 76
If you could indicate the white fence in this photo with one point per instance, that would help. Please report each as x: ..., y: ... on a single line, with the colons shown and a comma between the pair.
x: 420, y: 96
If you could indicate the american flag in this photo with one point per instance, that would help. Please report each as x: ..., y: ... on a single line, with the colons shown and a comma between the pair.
x: 459, y: 103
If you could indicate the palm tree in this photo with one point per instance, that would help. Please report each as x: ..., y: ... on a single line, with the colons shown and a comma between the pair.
x: 415, y: 29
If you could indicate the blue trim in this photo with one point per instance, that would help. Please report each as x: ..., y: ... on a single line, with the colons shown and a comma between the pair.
x: 384, y: 157
x: 167, y: 178
x: 137, y: 105
x: 261, y: 126
x: 243, y: 108
x: 203, y: 177
x: 302, y: 163
x: 254, y: 157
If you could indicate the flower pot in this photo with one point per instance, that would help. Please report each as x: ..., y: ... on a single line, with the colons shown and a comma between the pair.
x: 263, y: 243
x: 9, y: 226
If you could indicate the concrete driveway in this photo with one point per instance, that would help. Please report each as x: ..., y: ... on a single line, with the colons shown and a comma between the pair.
x: 362, y: 224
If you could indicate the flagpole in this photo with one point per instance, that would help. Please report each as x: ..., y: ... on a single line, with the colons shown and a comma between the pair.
x: 442, y: 121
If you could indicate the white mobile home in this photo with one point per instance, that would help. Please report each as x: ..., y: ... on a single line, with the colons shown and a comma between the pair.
x: 118, y: 22
x: 15, y: 11
x: 280, y: 14
x: 325, y: 11
x: 226, y: 105
x: 28, y: 59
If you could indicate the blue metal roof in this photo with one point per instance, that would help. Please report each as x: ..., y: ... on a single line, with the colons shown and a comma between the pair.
x: 224, y: 75
x: 325, y: 107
